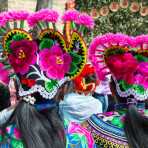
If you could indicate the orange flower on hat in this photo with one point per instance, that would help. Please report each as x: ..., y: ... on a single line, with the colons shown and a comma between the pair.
x: 124, y: 3
x: 114, y: 6
x: 104, y: 11
x: 134, y: 7
x: 80, y: 83
x: 144, y: 11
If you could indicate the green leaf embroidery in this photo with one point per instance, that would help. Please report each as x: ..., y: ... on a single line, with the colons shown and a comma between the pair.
x: 46, y: 43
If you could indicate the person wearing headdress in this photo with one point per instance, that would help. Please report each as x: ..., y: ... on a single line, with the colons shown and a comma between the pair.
x: 78, y: 105
x: 44, y: 68
x: 126, y: 59
x: 103, y: 93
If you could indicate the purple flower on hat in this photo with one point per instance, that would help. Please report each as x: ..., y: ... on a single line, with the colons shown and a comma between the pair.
x: 54, y: 62
x: 23, y: 54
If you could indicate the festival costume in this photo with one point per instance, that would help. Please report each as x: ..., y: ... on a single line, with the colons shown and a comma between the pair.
x: 126, y: 59
x: 102, y: 93
x: 78, y: 106
x: 44, y: 64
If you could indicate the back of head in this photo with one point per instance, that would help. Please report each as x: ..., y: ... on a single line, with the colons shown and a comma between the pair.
x: 35, y: 128
x: 136, y: 128
x: 42, y: 65
x: 120, y: 56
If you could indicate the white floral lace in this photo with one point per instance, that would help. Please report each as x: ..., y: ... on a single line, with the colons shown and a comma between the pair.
x: 131, y: 91
x: 43, y: 92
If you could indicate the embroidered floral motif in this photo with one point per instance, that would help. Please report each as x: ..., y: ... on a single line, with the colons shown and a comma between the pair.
x: 141, y: 70
x: 22, y: 55
x: 54, y: 62
x: 116, y: 64
x: 28, y: 82
x: 48, y: 62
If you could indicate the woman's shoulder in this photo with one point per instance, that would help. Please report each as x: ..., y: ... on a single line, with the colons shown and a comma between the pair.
x: 108, y: 128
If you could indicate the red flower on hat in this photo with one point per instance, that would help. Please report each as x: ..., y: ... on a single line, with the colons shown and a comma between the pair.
x: 123, y: 66
x: 23, y: 54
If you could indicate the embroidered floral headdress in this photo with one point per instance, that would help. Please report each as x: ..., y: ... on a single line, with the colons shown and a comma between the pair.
x: 126, y: 58
x: 86, y: 82
x: 44, y: 64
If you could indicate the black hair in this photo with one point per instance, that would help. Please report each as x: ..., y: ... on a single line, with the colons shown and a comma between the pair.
x: 66, y: 88
x: 4, y: 97
x: 42, y: 129
x: 136, y: 125
x: 36, y: 130
x: 136, y: 128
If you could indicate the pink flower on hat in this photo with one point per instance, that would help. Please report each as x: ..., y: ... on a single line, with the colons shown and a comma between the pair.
x: 54, y: 62
x: 4, y: 74
x: 12, y: 16
x: 43, y: 15
x: 85, y: 20
x: 17, y: 15
x: 141, y: 75
x: 79, y: 18
x: 71, y: 15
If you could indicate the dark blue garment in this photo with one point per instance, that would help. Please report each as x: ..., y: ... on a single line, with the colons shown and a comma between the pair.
x: 139, y: 105
x: 5, y: 145
x: 103, y: 99
x: 46, y: 105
